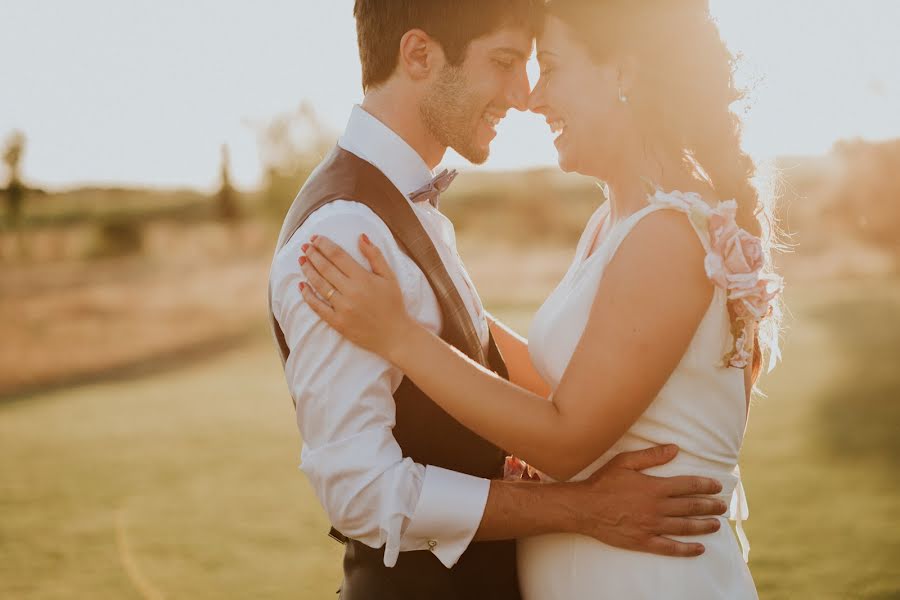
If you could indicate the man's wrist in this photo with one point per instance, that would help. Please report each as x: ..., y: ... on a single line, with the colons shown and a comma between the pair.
x: 523, y: 509
x: 564, y: 499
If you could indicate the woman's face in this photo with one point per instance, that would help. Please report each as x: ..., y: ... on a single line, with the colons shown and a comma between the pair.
x: 580, y: 100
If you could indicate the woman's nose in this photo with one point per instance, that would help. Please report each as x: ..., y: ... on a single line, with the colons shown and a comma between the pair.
x: 536, y: 103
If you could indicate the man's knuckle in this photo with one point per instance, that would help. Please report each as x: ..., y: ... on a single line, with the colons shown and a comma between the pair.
x: 643, y: 522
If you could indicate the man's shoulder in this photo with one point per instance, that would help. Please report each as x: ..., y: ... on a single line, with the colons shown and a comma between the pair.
x: 342, y: 221
x: 338, y: 219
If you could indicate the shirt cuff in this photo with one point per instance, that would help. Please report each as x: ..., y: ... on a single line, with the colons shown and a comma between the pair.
x: 448, y: 514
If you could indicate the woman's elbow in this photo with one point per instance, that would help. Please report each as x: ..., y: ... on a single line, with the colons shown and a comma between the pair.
x: 566, y: 461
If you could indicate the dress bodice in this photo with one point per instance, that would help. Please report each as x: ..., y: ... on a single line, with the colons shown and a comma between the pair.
x: 702, y: 406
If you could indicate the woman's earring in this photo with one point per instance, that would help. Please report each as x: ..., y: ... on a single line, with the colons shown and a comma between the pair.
x: 622, y: 97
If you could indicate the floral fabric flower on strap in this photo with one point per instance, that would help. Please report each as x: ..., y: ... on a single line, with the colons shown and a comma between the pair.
x: 736, y: 263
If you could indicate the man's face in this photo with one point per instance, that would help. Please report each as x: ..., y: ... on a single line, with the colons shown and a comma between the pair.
x: 465, y: 103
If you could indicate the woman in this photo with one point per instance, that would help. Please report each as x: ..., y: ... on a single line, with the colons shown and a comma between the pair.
x: 655, y: 334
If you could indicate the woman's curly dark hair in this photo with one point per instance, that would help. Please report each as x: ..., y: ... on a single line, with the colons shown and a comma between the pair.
x: 684, y: 91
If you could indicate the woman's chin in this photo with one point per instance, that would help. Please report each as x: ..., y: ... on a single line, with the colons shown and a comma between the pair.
x: 566, y: 163
x: 566, y: 155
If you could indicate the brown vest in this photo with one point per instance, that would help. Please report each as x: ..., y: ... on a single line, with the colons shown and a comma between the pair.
x: 424, y: 431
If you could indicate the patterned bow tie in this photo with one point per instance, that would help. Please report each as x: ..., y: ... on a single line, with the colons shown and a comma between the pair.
x: 434, y: 188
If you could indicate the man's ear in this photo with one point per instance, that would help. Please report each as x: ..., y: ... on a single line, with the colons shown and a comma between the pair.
x: 420, y: 55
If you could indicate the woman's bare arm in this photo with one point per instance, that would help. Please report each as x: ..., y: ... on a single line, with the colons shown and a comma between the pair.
x: 648, y: 305
x: 514, y: 349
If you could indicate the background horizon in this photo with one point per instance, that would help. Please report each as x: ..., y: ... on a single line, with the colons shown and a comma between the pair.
x: 145, y: 94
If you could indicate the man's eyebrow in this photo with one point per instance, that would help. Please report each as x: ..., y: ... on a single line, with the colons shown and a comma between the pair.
x: 515, y: 52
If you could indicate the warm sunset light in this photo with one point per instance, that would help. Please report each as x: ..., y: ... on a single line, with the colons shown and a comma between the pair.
x: 267, y: 335
x: 147, y: 92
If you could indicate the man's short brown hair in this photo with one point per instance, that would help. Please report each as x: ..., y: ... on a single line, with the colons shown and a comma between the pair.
x: 380, y: 24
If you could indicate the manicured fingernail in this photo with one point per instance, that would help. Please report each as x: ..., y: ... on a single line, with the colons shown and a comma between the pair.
x: 365, y: 239
x: 302, y: 286
x: 303, y: 260
x: 304, y: 247
x: 314, y: 238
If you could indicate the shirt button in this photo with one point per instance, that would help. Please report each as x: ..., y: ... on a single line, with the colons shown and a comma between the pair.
x: 432, y: 544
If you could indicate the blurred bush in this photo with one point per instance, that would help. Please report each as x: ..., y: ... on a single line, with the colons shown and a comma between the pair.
x: 14, y: 194
x: 865, y: 196
x: 117, y: 237
x: 226, y: 197
x: 291, y: 145
x: 538, y: 207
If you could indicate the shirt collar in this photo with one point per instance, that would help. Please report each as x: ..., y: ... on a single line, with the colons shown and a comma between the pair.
x: 377, y: 144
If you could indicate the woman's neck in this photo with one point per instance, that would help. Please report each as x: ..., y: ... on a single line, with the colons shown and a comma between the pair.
x: 640, y: 169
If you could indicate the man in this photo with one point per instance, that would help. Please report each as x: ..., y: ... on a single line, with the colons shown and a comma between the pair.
x: 418, y: 499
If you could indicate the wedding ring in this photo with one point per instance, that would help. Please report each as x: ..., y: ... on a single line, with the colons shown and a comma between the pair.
x: 329, y: 295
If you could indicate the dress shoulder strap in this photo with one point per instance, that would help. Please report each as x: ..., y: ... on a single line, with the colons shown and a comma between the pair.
x: 736, y: 263
x: 698, y: 210
x: 690, y: 204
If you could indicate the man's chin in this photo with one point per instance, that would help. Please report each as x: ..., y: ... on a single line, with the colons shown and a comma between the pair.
x: 474, y: 154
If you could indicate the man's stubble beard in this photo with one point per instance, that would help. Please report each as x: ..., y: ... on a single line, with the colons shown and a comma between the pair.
x: 450, y: 114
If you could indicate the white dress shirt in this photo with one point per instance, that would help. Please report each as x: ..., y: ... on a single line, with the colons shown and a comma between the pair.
x: 344, y: 394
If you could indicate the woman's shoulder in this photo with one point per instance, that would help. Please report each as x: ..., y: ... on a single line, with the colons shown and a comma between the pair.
x: 735, y: 262
x: 704, y: 212
x: 665, y: 237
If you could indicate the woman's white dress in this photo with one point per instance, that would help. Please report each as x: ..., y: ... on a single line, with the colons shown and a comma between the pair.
x: 701, y: 408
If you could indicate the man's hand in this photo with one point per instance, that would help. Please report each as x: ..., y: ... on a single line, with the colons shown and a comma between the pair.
x: 622, y: 507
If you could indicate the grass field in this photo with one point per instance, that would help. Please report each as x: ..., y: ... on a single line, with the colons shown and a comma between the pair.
x: 184, y: 483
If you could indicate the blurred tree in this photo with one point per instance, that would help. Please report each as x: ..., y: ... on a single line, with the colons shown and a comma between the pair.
x: 226, y: 196
x: 866, y: 196
x: 291, y: 145
x: 15, y: 189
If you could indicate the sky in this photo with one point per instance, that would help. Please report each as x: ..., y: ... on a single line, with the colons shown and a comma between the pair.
x: 144, y: 92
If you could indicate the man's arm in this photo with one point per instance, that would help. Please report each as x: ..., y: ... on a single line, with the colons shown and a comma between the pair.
x: 618, y: 505
x: 346, y: 413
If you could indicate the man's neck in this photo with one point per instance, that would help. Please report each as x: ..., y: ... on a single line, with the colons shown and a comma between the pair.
x: 404, y: 120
